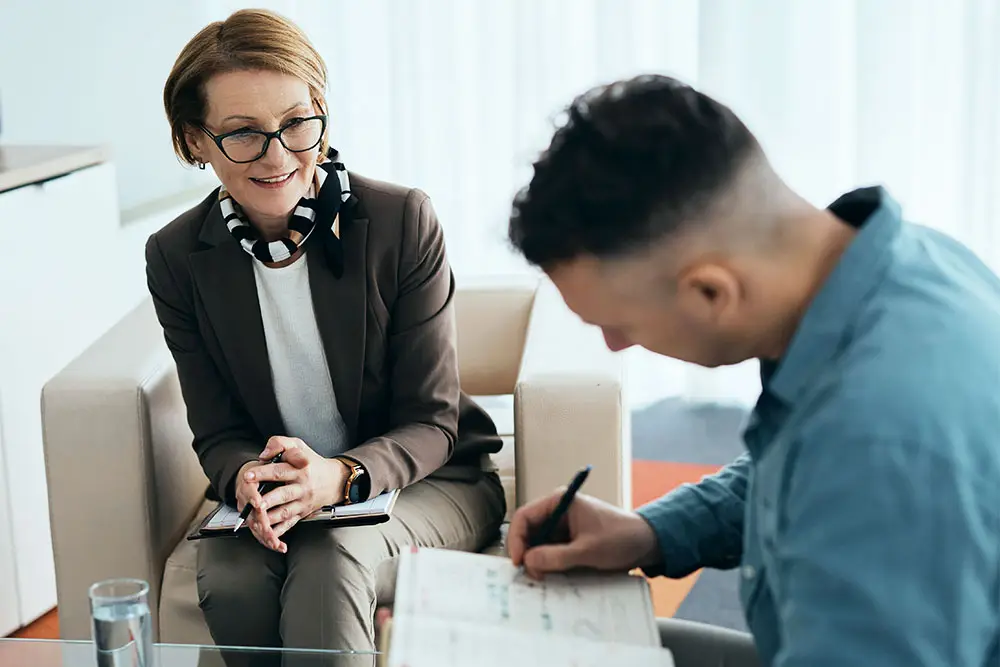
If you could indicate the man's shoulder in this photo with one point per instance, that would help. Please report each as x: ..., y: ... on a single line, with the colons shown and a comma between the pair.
x: 919, y: 370
x: 934, y: 315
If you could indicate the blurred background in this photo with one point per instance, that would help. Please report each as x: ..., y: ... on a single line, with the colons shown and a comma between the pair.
x: 457, y: 97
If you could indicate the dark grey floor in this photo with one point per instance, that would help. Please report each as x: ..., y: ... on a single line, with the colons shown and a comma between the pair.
x: 682, y: 431
x: 685, y: 431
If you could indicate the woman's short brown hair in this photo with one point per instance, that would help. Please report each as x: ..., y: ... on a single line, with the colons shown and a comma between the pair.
x: 249, y: 39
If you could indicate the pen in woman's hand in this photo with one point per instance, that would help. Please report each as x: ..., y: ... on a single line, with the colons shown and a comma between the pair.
x: 262, y: 488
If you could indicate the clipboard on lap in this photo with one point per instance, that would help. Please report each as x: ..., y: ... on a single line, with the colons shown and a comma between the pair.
x: 221, y: 520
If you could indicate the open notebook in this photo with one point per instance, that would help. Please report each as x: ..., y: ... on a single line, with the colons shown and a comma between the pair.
x: 221, y: 521
x: 455, y: 609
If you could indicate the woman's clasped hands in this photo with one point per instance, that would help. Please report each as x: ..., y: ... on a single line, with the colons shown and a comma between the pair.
x: 307, y: 482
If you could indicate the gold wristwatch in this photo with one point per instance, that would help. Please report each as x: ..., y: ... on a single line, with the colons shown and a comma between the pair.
x: 358, y: 483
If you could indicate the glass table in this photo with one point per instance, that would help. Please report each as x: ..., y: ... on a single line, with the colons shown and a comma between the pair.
x: 73, y: 653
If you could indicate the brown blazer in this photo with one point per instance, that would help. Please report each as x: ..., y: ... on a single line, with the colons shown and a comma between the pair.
x: 387, y: 325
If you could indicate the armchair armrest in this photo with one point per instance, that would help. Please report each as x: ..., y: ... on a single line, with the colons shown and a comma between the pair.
x: 569, y: 408
x: 123, y: 480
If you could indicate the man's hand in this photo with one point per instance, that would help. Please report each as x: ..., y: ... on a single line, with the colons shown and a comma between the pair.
x: 594, y: 534
x: 308, y: 483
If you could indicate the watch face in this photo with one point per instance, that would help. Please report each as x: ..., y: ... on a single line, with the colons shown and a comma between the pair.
x: 355, y: 493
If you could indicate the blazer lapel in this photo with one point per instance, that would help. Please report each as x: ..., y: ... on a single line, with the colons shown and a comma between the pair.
x: 223, y: 277
x: 340, y: 309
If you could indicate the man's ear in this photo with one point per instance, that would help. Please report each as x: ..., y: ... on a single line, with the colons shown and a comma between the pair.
x: 708, y: 292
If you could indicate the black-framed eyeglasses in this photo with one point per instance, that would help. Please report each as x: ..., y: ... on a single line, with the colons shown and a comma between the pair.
x: 246, y: 145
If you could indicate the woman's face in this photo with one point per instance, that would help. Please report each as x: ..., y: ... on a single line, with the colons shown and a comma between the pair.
x: 267, y: 188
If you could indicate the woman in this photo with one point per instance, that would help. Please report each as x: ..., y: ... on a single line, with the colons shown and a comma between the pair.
x: 309, y: 311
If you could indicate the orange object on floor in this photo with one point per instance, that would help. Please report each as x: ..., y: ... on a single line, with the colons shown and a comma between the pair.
x: 650, y: 480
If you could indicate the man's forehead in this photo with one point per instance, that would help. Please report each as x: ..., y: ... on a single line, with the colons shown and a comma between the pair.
x: 589, y: 284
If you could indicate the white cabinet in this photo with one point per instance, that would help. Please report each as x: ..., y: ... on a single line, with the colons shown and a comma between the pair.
x: 12, y: 206
x: 9, y: 616
x: 65, y: 278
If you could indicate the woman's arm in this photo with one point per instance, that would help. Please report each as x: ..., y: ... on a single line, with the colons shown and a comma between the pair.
x: 422, y: 360
x: 224, y: 436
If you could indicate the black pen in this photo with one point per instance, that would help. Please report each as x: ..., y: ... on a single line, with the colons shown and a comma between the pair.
x: 262, y: 488
x: 544, y: 534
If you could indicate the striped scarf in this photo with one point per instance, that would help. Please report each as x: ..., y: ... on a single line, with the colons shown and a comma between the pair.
x: 324, y: 207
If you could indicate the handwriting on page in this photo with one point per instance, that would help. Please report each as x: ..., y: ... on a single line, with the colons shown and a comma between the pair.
x: 491, y: 591
x: 431, y: 642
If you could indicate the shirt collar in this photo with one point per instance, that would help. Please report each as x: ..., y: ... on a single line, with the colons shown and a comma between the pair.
x: 833, y: 310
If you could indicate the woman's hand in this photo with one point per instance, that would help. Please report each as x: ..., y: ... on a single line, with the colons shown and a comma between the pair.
x: 308, y: 483
x: 246, y: 492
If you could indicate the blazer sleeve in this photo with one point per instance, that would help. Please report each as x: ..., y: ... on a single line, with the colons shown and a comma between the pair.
x: 422, y: 360
x: 224, y: 437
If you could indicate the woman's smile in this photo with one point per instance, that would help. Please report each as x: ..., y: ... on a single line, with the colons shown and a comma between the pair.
x: 274, y: 182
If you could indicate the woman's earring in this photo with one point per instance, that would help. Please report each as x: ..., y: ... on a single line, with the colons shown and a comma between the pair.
x: 201, y: 165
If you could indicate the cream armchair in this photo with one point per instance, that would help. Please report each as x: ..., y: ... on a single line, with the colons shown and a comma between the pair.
x: 125, y: 485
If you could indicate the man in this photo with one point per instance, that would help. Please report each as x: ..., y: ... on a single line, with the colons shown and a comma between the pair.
x: 865, y: 514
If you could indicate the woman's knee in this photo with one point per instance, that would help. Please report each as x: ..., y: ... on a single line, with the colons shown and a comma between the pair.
x: 340, y: 551
x: 238, y: 576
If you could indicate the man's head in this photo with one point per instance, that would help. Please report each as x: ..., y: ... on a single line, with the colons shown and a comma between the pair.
x: 656, y: 214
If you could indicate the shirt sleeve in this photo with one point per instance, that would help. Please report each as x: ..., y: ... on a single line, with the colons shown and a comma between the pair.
x: 886, y: 555
x: 701, y: 525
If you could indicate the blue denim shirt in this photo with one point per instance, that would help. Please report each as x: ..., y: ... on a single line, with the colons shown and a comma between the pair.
x: 865, y: 514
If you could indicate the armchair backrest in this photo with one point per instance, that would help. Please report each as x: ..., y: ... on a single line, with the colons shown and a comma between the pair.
x: 492, y: 322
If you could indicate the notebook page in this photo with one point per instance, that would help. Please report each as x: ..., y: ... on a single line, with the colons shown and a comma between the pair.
x: 377, y: 505
x: 227, y: 516
x: 430, y: 642
x: 490, y: 591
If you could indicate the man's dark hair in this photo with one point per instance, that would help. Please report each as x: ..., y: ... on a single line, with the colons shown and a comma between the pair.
x: 633, y: 162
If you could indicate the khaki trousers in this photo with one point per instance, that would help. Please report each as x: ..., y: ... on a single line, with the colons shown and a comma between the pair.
x: 322, y: 594
x: 702, y: 645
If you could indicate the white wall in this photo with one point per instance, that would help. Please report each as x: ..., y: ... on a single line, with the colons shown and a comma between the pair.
x: 93, y: 72
x: 81, y: 273
x: 456, y: 97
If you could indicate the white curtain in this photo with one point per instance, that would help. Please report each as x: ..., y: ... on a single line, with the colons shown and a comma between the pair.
x: 457, y: 97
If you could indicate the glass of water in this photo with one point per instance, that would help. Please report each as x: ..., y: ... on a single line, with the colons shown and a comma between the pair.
x: 121, y: 623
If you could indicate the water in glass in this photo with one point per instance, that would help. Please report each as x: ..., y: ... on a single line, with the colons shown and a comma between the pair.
x: 121, y: 623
